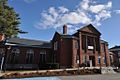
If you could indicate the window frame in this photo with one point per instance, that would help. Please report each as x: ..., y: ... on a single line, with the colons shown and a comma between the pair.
x: 13, y: 57
x: 99, y: 59
x: 29, y: 54
x: 42, y: 56
x: 56, y: 45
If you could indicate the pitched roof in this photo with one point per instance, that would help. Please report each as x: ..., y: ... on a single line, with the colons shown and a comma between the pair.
x: 90, y: 26
x: 103, y: 41
x: 29, y: 42
x: 115, y: 48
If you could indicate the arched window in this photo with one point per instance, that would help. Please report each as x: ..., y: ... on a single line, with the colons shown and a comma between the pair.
x: 29, y: 56
x: 14, y: 56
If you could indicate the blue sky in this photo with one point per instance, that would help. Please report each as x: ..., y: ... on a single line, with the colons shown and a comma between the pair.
x: 41, y: 18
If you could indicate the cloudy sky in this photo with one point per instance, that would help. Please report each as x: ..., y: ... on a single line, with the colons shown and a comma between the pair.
x: 41, y: 18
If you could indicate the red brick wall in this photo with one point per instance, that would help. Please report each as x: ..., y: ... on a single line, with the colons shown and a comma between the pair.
x: 22, y: 55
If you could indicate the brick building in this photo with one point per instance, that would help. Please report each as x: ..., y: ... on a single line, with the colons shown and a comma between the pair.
x: 82, y: 48
x: 115, y: 55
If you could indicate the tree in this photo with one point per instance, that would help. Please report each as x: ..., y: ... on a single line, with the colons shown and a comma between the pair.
x: 9, y: 20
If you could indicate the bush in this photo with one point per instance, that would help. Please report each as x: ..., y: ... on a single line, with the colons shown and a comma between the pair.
x: 52, y: 66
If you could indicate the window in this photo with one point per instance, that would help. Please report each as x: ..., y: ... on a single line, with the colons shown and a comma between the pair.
x: 119, y: 59
x: 29, y: 56
x: 42, y: 58
x: 55, y: 45
x: 99, y: 59
x: 77, y: 59
x: 118, y: 53
x: 90, y: 42
x: 104, y: 60
x: 14, y: 55
x: 76, y: 44
x: 103, y: 48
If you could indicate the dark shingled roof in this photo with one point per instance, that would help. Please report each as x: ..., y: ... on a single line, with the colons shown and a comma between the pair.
x: 29, y: 42
x: 115, y: 48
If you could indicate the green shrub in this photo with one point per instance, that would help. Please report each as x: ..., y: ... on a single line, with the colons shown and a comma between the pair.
x: 52, y: 66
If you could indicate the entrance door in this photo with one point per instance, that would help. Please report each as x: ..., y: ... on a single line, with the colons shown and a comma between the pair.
x: 92, y: 61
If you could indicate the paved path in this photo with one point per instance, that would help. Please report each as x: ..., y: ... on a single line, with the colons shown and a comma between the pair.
x: 92, y: 77
x: 80, y: 77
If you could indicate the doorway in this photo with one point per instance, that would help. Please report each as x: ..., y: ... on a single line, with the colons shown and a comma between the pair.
x: 92, y: 61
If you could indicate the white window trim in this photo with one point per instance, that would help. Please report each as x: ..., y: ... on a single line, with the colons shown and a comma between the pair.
x: 55, y: 45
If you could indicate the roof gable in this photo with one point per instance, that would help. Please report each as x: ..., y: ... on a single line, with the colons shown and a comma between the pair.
x: 56, y: 35
x: 90, y: 29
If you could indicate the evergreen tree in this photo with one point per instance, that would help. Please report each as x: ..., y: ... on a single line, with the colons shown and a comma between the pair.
x: 9, y: 20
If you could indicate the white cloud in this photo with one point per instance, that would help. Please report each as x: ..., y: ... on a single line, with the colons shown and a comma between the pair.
x: 75, y: 18
x: 109, y: 5
x: 63, y: 9
x: 96, y: 8
x: 103, y: 15
x: 85, y: 13
x: 117, y: 11
x: 99, y: 8
x: 85, y: 4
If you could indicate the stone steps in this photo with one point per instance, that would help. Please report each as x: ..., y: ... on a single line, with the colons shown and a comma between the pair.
x: 107, y: 70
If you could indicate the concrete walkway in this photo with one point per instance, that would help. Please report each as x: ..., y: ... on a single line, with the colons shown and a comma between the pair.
x: 92, y: 77
x: 78, y: 77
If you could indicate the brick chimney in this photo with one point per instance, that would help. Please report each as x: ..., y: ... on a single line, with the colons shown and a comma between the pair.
x: 65, y: 29
x: 1, y: 37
